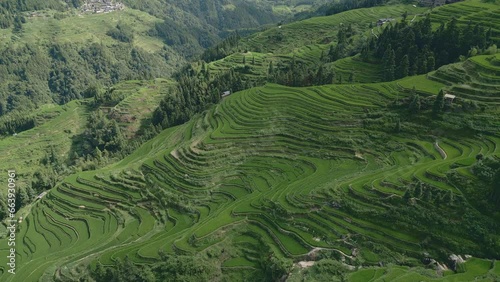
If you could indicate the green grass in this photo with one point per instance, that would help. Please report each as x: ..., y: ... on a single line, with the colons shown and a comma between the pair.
x: 287, y: 169
x: 422, y: 83
x: 476, y: 270
x: 258, y: 154
x: 82, y: 29
x: 61, y: 124
x: 313, y: 31
x: 24, y: 151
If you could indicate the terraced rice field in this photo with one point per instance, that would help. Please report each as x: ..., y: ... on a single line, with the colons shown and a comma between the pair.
x: 58, y: 124
x: 477, y: 79
x: 480, y: 12
x: 319, y: 30
x: 271, y: 165
x: 306, y: 41
x: 477, y: 270
x: 363, y: 72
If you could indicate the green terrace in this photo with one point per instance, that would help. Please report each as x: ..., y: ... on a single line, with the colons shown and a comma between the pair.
x: 269, y: 161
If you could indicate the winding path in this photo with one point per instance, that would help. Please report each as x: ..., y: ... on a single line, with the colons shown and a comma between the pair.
x: 440, y: 150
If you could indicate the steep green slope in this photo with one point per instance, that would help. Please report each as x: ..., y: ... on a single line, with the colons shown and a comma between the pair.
x: 59, y: 127
x: 296, y: 168
x: 55, y: 60
x: 339, y: 176
x: 52, y: 51
x: 301, y: 34
x: 307, y: 44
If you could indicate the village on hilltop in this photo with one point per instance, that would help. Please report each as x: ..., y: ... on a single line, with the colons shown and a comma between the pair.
x: 101, y: 6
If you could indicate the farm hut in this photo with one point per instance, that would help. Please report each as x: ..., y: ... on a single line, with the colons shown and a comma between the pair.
x: 449, y: 98
x: 226, y: 93
x: 383, y: 21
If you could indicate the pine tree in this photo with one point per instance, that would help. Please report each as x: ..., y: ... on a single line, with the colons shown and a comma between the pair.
x: 422, y: 64
x: 427, y: 194
x: 335, y: 53
x: 18, y: 24
x: 431, y: 62
x: 330, y: 52
x: 418, y: 190
x: 398, y: 126
x: 270, y: 70
x: 365, y: 52
x: 405, y: 66
x: 21, y: 199
x: 495, y: 192
x: 319, y: 75
x: 98, y: 154
x: 415, y: 104
x: 407, y: 196
x: 389, y: 63
x: 438, y: 106
x: 448, y: 198
x: 391, y: 66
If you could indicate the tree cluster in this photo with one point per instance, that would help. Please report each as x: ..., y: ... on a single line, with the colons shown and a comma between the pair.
x: 346, y: 5
x: 488, y: 171
x: 169, y: 268
x: 102, y: 134
x: 190, y: 38
x: 62, y: 72
x: 16, y: 122
x: 121, y: 32
x: 10, y: 9
x: 297, y: 74
x: 221, y: 50
x: 194, y: 92
x: 427, y: 193
x: 344, y: 39
x: 107, y: 98
x: 410, y: 49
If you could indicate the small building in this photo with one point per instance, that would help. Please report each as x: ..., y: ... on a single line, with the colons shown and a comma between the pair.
x: 383, y: 21
x: 226, y: 93
x: 41, y: 195
x: 449, y: 98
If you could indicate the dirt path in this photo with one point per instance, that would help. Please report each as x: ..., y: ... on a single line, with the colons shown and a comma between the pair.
x: 440, y: 150
x: 319, y: 249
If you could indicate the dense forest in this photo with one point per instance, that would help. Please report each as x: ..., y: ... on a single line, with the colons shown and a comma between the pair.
x: 300, y: 74
x: 59, y: 73
x: 10, y: 9
x: 408, y: 49
x: 346, y: 5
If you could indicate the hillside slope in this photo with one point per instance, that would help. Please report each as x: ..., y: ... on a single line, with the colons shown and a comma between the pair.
x: 52, y: 51
x: 264, y: 163
x: 357, y: 181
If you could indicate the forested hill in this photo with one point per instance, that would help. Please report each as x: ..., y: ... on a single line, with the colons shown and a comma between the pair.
x: 200, y: 21
x: 52, y: 51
